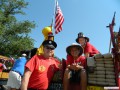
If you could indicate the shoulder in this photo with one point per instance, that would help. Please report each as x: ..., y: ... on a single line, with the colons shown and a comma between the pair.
x: 37, y: 56
x: 88, y: 44
x: 69, y: 57
x: 34, y: 58
x: 82, y: 58
x: 1, y: 64
x: 22, y: 58
x: 56, y: 60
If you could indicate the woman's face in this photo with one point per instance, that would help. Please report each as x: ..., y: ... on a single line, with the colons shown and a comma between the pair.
x: 82, y: 41
x: 74, y: 51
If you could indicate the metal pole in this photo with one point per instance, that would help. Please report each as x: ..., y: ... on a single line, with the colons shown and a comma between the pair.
x: 110, y: 45
x: 52, y: 24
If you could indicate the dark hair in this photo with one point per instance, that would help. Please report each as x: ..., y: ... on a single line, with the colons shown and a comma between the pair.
x: 30, y: 53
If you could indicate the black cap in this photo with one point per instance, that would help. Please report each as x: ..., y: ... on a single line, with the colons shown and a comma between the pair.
x: 49, y: 43
x: 50, y: 34
x: 81, y: 35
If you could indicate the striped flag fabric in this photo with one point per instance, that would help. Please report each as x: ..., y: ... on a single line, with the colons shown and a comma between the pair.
x: 59, y: 19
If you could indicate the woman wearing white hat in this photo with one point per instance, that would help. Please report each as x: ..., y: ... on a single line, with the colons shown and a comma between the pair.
x: 75, y: 71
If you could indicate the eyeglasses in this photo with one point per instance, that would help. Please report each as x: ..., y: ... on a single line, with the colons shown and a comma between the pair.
x: 49, y: 48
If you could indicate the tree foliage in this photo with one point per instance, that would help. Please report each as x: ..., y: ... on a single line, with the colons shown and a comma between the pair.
x: 14, y: 34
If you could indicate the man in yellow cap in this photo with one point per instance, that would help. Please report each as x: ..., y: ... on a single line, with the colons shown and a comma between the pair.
x: 40, y: 69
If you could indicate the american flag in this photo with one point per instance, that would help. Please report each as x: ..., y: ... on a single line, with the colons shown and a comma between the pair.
x: 59, y: 19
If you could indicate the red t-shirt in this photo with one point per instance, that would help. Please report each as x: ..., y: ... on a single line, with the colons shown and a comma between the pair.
x: 90, y: 49
x: 81, y: 60
x: 42, y: 71
x: 1, y: 67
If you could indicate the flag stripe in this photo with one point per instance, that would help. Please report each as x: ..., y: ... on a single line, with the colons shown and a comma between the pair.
x: 59, y: 19
x: 59, y: 23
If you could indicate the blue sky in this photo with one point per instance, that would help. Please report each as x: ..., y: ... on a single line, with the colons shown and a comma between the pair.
x: 88, y: 16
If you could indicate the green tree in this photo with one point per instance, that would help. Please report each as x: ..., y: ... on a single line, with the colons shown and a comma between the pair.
x: 14, y: 34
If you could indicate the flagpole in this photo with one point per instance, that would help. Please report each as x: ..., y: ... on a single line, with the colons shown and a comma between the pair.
x: 52, y: 24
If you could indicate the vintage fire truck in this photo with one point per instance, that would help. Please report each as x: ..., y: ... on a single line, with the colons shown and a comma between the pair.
x: 106, y: 75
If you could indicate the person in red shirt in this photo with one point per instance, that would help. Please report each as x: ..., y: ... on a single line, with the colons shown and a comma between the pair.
x: 89, y: 49
x: 2, y: 65
x: 75, y: 71
x: 40, y: 68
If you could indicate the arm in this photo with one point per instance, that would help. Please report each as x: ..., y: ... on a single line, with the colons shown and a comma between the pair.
x: 87, y: 55
x: 25, y: 79
x: 4, y: 67
x: 87, y: 49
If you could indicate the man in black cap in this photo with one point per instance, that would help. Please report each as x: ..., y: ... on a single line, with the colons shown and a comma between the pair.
x: 40, y: 69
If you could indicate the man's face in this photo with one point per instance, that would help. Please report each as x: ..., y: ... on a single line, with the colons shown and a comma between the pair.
x: 74, y: 51
x: 82, y: 41
x: 48, y: 52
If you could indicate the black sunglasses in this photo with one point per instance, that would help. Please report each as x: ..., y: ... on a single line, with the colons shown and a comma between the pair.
x: 49, y: 48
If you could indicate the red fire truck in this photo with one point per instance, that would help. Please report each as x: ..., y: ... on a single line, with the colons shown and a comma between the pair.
x: 107, y: 69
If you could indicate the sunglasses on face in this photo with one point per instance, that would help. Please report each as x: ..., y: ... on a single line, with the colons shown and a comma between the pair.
x: 49, y: 48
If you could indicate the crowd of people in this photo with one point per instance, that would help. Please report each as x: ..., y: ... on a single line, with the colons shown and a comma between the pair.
x: 36, y: 72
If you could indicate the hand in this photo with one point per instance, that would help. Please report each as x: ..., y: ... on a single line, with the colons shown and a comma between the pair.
x: 60, y: 66
x: 75, y: 67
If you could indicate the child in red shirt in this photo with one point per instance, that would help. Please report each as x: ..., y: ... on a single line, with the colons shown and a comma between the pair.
x: 75, y: 71
x: 89, y: 49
